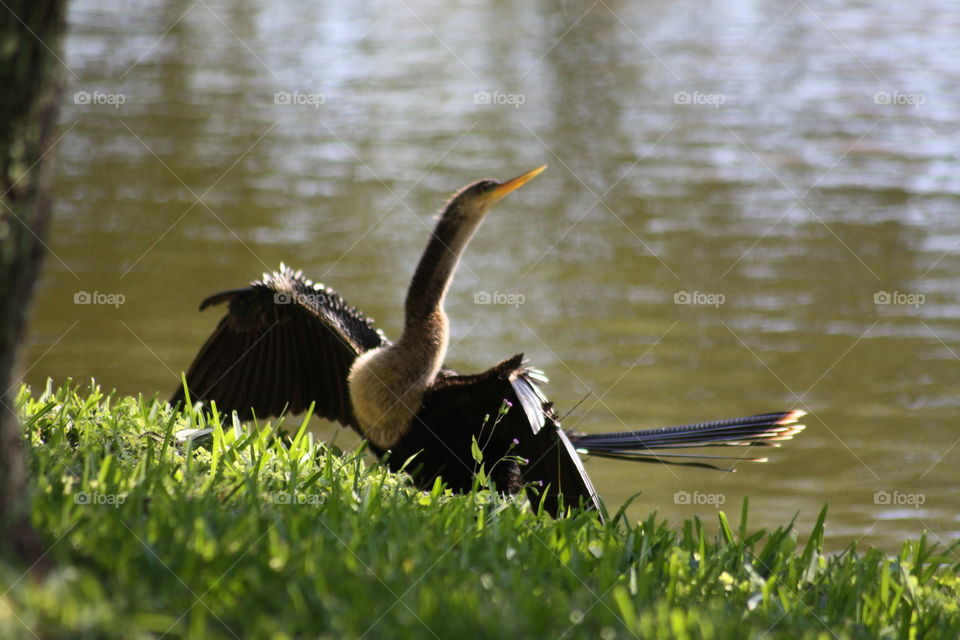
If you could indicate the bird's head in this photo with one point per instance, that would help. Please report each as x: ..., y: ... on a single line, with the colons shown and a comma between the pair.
x: 474, y: 200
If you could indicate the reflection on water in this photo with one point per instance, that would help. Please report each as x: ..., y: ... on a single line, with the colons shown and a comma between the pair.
x: 794, y: 167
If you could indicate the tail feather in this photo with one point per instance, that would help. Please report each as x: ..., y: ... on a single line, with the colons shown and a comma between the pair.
x: 766, y: 429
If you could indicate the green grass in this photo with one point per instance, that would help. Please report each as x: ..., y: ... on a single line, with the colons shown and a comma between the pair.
x: 263, y: 533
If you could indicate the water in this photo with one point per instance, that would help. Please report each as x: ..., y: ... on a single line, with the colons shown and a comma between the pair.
x: 791, y: 166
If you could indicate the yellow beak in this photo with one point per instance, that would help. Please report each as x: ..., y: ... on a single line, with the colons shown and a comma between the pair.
x: 515, y: 183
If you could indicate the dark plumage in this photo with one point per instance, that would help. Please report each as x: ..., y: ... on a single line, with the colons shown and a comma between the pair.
x: 460, y: 408
x: 286, y: 343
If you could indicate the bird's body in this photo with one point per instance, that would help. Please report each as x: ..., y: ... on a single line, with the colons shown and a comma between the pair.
x: 387, y: 386
x: 287, y: 343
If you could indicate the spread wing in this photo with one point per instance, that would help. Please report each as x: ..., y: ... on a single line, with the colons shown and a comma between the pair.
x: 284, y: 343
x: 552, y: 459
x: 461, y: 409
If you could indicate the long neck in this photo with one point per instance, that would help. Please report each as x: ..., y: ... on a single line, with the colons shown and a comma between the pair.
x: 425, y: 324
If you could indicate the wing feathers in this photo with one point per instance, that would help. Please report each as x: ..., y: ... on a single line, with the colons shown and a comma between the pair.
x: 284, y: 343
x: 453, y: 412
x: 531, y: 400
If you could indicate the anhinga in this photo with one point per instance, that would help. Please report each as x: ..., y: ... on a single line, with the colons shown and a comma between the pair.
x: 287, y: 343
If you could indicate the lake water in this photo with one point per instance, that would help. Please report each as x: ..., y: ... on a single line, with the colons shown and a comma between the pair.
x: 790, y: 170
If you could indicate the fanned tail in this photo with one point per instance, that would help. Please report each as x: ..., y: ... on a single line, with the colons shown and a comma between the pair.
x: 767, y: 429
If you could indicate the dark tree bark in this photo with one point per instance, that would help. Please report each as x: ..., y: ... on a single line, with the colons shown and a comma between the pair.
x: 30, y: 89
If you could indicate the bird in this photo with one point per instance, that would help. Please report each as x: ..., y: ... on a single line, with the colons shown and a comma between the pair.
x: 287, y: 344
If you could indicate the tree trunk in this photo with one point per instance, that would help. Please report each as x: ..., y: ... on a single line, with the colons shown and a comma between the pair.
x: 30, y: 73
